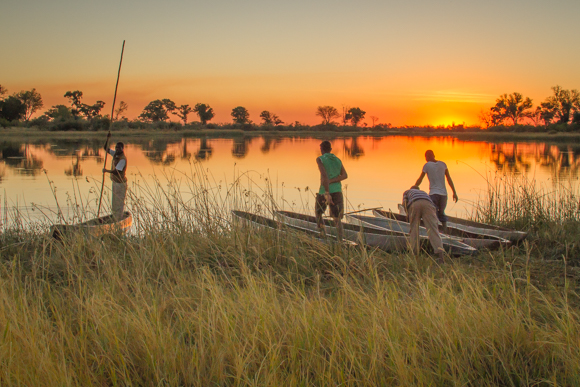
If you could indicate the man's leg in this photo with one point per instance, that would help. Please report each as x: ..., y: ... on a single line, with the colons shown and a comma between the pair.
x: 320, y: 207
x: 429, y: 215
x: 337, y: 212
x: 118, y: 200
x: 414, y: 216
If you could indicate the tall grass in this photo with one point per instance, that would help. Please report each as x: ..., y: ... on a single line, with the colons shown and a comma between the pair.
x: 195, y: 299
x: 520, y: 202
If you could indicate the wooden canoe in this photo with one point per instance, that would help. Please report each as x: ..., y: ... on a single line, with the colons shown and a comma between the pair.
x: 398, y: 222
x: 511, y: 235
x: 96, y: 227
x: 263, y: 222
x: 387, y: 240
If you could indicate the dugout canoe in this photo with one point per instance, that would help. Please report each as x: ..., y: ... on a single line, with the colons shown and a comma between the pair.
x: 510, y: 234
x: 399, y: 223
x: 271, y: 224
x: 96, y: 227
x: 387, y: 240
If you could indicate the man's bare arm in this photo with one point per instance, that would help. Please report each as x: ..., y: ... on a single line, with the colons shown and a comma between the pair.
x: 323, y: 176
x: 420, y: 179
x: 450, y: 182
x: 343, y: 176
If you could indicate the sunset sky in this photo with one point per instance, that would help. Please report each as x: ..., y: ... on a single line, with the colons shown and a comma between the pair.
x: 413, y: 62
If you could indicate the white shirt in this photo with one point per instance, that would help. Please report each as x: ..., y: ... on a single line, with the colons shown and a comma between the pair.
x: 121, y: 164
x: 436, y: 173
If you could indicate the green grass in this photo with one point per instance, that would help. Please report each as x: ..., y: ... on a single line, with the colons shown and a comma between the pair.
x: 195, y: 299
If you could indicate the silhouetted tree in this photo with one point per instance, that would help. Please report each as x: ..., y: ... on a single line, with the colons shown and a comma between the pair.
x: 204, y: 112
x: 561, y: 105
x: 157, y: 110
x: 75, y: 98
x: 374, y: 119
x: 3, y: 92
x: 357, y: 115
x: 12, y: 109
x: 270, y: 118
x: 345, y: 114
x: 182, y: 112
x: 327, y: 113
x: 78, y: 107
x: 513, y: 106
x: 32, y: 100
x: 92, y: 111
x: 59, y: 112
x: 121, y: 109
x: 240, y: 115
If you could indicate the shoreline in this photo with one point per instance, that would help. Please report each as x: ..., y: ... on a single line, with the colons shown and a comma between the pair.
x: 466, y: 136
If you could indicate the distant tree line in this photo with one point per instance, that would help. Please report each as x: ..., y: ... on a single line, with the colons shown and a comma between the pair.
x: 555, y: 112
x: 511, y: 112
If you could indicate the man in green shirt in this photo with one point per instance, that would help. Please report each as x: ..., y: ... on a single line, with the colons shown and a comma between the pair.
x: 332, y: 172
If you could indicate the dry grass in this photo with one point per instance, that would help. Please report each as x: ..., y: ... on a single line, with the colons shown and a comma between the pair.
x: 198, y: 300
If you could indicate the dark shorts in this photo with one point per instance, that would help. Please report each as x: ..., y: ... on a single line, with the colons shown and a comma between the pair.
x: 336, y: 209
x: 440, y: 202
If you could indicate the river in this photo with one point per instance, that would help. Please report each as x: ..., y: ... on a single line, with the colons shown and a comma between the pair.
x: 38, y: 177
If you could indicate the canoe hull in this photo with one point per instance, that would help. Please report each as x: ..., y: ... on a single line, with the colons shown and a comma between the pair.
x: 387, y: 219
x: 271, y: 224
x: 387, y: 240
x: 511, y: 235
x: 95, y: 227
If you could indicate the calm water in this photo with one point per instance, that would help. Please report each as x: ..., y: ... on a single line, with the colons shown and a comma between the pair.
x: 379, y: 168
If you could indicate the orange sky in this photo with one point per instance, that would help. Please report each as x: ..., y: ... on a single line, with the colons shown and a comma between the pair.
x: 407, y: 63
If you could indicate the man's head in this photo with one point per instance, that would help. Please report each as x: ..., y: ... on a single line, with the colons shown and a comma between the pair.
x: 429, y: 155
x: 325, y: 146
x: 119, y: 148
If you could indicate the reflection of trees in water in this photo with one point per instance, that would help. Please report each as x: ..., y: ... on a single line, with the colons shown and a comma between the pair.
x: 507, y: 159
x: 354, y: 150
x: 20, y: 159
x: 562, y: 161
x: 156, y: 152
x: 270, y: 143
x: 75, y: 169
x: 240, y: 147
x: 205, y: 150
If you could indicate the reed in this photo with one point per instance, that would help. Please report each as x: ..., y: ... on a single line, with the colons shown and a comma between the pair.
x: 195, y: 299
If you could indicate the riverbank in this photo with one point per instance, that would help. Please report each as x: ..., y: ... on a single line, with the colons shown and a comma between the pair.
x: 31, y: 133
x: 194, y: 298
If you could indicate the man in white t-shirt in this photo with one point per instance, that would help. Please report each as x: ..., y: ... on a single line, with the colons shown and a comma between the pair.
x: 437, y: 172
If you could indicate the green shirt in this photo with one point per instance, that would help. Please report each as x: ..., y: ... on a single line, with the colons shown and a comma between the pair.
x: 333, y: 166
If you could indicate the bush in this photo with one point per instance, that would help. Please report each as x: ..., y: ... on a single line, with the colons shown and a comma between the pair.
x: 68, y: 125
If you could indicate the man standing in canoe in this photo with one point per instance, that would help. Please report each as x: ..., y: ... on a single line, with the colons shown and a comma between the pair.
x: 332, y: 172
x: 117, y: 171
x: 437, y: 172
x: 420, y: 206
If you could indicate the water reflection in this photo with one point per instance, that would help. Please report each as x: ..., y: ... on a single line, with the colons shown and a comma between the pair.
x: 379, y: 168
x: 21, y: 159
x: 75, y: 170
x: 270, y: 143
x: 563, y: 162
x: 240, y: 147
x: 205, y: 150
x: 156, y: 152
x: 352, y: 150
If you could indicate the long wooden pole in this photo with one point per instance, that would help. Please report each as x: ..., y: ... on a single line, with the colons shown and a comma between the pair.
x: 110, y: 125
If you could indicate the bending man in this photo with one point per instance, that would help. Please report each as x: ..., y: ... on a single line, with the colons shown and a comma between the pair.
x: 419, y: 206
x: 117, y: 171
x: 332, y: 172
